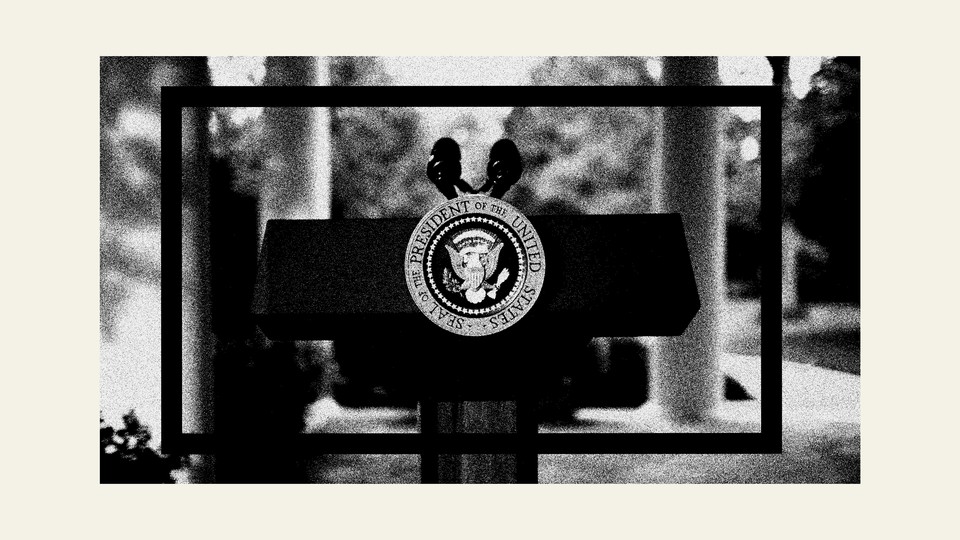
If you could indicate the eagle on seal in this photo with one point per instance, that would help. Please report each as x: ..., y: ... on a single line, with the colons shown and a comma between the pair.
x: 475, y: 265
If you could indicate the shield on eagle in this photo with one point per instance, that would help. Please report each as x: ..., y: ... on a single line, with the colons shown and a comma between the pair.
x: 474, y: 255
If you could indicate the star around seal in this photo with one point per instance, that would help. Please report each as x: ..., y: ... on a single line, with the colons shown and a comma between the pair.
x: 474, y: 265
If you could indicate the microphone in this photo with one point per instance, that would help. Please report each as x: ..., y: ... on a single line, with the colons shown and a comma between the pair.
x: 504, y: 168
x: 444, y: 169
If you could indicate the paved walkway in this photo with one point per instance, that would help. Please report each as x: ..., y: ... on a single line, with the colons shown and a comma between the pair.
x: 821, y: 414
x: 821, y: 436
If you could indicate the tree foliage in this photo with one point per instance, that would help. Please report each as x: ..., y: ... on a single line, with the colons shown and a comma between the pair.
x: 822, y: 171
x: 592, y: 159
x: 130, y: 170
x: 379, y: 153
x: 126, y: 456
x: 821, y: 165
x: 742, y: 173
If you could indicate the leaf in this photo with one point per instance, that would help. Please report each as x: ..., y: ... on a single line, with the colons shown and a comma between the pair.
x: 450, y: 282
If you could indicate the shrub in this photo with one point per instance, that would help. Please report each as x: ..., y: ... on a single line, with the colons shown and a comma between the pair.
x: 127, y: 458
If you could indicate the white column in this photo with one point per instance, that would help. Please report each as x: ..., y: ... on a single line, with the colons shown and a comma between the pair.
x: 686, y: 383
x: 300, y: 187
x: 197, y: 339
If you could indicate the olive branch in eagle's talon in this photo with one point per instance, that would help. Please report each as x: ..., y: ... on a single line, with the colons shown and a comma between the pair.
x: 449, y: 282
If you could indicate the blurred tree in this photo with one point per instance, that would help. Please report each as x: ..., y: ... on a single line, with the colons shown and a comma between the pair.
x: 742, y: 171
x: 129, y: 174
x: 474, y: 148
x: 126, y: 456
x: 379, y: 153
x: 741, y: 139
x: 822, y: 174
x: 358, y: 71
x: 599, y: 159
x: 238, y: 141
x: 130, y: 200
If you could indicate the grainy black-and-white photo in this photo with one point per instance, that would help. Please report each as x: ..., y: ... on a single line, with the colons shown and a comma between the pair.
x: 554, y: 289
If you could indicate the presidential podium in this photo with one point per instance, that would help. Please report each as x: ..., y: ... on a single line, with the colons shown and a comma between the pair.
x: 612, y: 275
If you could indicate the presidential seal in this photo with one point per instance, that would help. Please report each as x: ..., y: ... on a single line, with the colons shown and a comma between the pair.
x: 474, y: 265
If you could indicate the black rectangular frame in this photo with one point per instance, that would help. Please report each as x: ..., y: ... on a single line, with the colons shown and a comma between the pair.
x: 767, y: 98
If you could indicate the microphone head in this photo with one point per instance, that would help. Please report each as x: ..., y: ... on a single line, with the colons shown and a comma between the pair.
x: 447, y: 148
x: 505, y: 166
x: 443, y: 169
